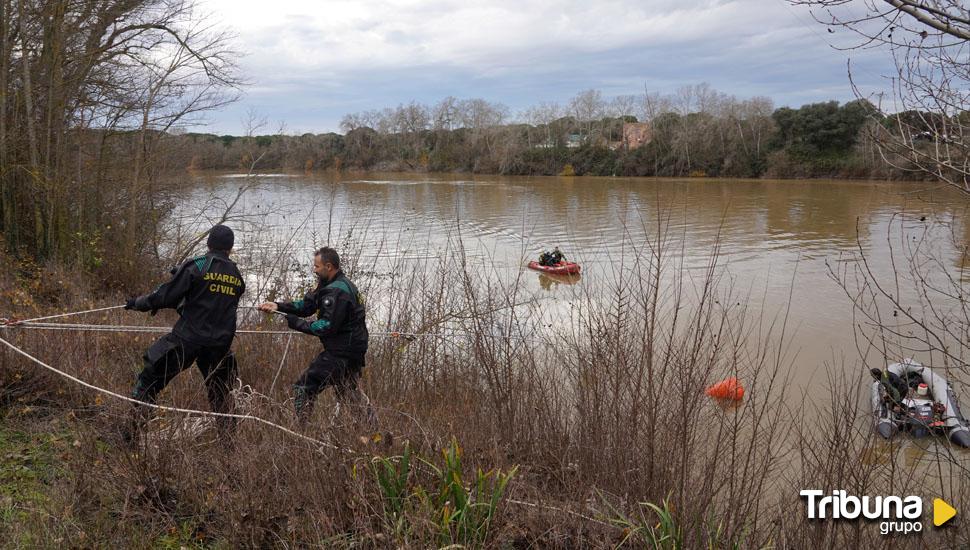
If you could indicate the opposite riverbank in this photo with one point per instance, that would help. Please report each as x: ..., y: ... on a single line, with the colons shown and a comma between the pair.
x: 726, y: 138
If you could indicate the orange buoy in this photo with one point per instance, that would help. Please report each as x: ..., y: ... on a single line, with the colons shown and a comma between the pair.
x: 729, y: 388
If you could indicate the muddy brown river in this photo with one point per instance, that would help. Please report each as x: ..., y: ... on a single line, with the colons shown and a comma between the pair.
x: 778, y: 241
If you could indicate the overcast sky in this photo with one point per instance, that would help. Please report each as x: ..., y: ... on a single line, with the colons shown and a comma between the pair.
x: 312, y: 61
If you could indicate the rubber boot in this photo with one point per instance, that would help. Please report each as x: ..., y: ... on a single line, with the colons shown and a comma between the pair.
x: 303, y: 401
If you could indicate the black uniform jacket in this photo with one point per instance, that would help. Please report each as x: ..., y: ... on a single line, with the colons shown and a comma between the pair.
x: 205, y: 291
x: 340, y: 325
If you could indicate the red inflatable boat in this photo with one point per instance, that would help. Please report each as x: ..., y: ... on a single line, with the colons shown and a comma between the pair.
x: 562, y: 268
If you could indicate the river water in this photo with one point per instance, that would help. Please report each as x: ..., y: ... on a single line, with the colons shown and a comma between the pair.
x: 778, y: 241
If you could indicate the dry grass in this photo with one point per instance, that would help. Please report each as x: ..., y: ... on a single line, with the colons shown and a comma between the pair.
x: 586, y: 423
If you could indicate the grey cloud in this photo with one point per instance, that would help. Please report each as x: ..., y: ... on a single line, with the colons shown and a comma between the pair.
x: 310, y: 75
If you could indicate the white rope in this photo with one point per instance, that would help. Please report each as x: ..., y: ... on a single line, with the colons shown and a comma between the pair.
x: 156, y: 329
x: 249, y: 417
x: 277, y: 312
x: 86, y: 328
x: 135, y: 328
x: 7, y: 323
x: 69, y: 314
x: 282, y: 362
x: 117, y: 328
x: 163, y: 407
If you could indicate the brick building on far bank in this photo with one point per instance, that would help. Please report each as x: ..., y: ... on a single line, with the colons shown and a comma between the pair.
x: 636, y: 134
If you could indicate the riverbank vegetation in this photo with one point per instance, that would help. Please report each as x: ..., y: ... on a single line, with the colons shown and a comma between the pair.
x: 695, y: 132
x: 89, y: 92
x: 494, y: 432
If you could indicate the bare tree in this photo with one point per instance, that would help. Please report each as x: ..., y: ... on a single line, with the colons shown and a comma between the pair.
x: 755, y: 123
x: 923, y: 121
x: 587, y: 106
x: 544, y: 115
x: 174, y: 88
x: 654, y: 104
x: 481, y: 117
x: 351, y: 122
x: 97, y: 85
x: 410, y: 122
x: 444, y: 114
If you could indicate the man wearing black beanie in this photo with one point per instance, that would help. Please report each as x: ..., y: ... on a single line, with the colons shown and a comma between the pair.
x: 205, y: 291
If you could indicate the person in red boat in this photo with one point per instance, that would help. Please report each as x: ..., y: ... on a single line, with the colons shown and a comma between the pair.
x: 557, y: 256
x: 549, y: 259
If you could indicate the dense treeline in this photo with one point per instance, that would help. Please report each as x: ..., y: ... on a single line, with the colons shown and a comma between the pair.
x: 89, y: 90
x: 697, y: 131
x: 94, y: 94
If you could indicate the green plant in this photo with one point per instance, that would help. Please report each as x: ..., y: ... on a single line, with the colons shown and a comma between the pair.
x: 464, y: 514
x: 717, y: 538
x: 392, y: 479
x: 665, y: 534
x: 461, y: 515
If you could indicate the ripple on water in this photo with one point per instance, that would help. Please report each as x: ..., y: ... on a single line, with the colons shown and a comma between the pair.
x: 762, y: 230
x: 261, y: 176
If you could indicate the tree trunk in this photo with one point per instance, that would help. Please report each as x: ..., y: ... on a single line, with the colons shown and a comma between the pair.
x: 57, y: 205
x: 28, y: 90
x: 37, y: 196
x: 7, y: 223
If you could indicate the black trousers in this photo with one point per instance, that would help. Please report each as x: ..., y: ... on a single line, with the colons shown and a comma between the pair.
x: 171, y: 355
x: 325, y: 370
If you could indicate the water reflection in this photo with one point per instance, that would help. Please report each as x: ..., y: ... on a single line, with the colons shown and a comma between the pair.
x: 548, y: 281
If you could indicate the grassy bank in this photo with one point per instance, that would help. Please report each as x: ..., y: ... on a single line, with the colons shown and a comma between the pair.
x: 493, y: 431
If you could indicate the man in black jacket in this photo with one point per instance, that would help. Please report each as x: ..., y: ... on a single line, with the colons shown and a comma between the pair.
x: 205, y: 291
x: 341, y: 327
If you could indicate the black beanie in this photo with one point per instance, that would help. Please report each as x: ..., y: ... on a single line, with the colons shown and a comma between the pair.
x: 220, y: 238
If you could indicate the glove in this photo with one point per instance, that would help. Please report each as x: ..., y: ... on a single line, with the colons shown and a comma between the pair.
x: 130, y: 302
x: 297, y: 323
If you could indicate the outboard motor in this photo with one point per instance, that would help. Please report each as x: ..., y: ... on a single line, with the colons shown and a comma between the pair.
x: 920, y: 416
